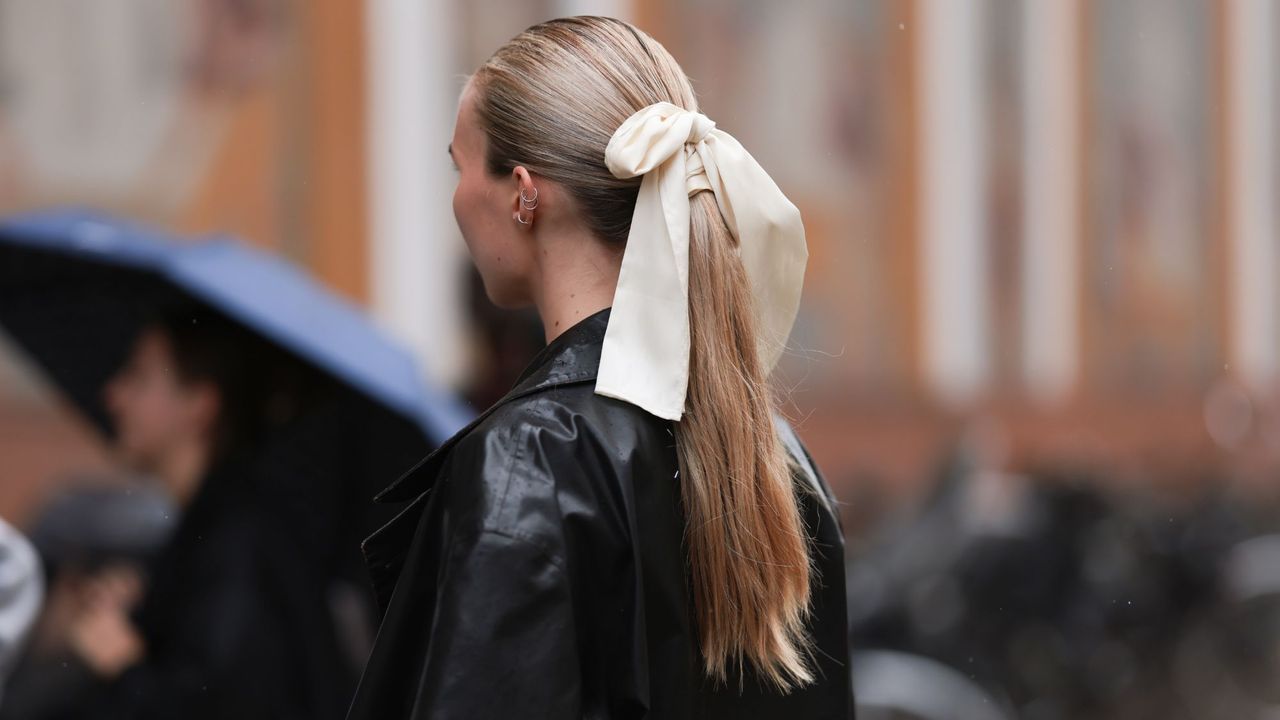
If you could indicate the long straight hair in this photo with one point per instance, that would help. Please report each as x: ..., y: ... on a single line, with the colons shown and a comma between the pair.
x: 550, y: 100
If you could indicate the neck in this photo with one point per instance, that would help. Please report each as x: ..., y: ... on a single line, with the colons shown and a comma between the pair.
x: 578, y: 274
x: 182, y: 471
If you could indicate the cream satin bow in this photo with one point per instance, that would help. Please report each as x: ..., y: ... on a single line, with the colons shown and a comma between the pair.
x: 645, y: 358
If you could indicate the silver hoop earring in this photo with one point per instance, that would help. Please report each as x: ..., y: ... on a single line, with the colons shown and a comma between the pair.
x: 520, y: 219
x: 529, y: 203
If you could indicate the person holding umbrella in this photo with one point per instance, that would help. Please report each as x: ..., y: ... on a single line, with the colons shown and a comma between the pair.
x: 631, y: 532
x: 271, y: 410
x: 228, y: 621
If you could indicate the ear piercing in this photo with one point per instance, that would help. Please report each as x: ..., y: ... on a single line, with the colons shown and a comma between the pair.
x: 529, y: 203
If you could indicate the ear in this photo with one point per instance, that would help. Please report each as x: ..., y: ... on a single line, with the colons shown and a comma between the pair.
x: 524, y: 201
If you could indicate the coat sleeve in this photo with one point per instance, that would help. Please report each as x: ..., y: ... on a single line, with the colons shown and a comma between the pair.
x: 503, y: 639
x: 502, y: 643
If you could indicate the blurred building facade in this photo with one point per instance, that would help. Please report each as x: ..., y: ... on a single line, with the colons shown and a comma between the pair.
x: 1058, y: 218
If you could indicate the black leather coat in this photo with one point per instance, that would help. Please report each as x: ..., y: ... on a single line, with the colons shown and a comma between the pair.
x: 538, y: 571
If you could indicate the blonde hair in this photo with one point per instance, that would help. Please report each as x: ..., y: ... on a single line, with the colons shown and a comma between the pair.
x: 550, y: 99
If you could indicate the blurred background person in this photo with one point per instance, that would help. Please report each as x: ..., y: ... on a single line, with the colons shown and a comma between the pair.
x: 91, y: 531
x: 232, y: 616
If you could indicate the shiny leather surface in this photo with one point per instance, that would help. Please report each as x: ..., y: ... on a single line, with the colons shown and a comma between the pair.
x: 538, y: 571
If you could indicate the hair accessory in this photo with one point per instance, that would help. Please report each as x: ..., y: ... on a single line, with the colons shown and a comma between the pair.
x: 645, y: 357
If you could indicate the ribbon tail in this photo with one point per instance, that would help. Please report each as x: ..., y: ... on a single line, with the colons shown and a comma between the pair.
x: 645, y: 356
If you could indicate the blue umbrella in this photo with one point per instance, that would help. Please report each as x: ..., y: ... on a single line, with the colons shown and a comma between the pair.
x: 77, y: 286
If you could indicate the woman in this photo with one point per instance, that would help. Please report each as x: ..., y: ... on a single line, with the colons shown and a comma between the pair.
x: 629, y: 532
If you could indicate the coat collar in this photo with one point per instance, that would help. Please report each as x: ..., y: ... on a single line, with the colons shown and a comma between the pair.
x: 573, y: 357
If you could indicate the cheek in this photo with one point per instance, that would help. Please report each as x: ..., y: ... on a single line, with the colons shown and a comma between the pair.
x: 141, y: 421
x: 493, y: 245
x: 479, y: 226
x: 474, y: 218
x: 158, y: 410
x: 460, y: 209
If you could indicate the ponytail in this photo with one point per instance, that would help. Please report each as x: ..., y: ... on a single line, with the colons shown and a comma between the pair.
x: 748, y: 552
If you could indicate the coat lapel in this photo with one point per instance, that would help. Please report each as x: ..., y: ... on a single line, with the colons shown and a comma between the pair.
x: 574, y: 357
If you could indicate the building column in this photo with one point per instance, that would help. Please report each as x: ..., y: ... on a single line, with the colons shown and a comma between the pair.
x: 1254, y: 261
x: 954, y: 264
x: 417, y: 258
x: 1051, y: 220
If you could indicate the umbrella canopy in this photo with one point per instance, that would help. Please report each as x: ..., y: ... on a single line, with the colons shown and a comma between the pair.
x: 76, y: 287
